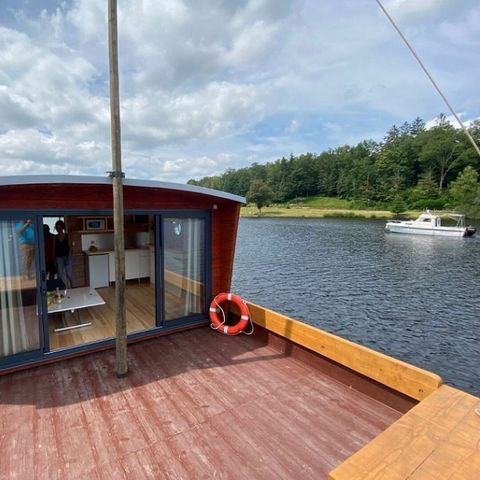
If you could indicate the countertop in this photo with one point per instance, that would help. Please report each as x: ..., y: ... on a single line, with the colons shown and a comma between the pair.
x: 107, y: 251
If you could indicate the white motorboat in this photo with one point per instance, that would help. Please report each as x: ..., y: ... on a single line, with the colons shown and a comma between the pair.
x: 430, y: 224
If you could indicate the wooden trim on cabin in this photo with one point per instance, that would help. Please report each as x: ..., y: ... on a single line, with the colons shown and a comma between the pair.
x: 400, y: 376
x: 225, y: 219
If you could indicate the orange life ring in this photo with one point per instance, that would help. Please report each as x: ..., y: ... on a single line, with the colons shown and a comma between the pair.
x: 217, y: 317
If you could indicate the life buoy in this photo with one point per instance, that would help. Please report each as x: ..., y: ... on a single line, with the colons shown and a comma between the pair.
x: 218, y: 318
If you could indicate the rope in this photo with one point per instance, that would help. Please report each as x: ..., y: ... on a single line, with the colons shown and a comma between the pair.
x: 223, y: 315
x: 427, y: 73
x: 249, y: 319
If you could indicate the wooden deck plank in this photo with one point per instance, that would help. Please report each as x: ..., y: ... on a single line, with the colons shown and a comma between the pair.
x: 438, y: 439
x: 195, y: 404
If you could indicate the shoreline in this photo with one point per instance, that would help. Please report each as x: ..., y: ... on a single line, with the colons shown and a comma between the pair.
x: 309, y: 212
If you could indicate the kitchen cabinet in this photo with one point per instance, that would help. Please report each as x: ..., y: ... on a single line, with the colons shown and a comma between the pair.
x: 144, y: 264
x: 98, y: 271
x: 132, y: 259
x: 111, y: 266
x: 137, y: 264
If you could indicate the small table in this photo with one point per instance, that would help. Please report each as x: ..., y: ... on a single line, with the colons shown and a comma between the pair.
x: 75, y: 299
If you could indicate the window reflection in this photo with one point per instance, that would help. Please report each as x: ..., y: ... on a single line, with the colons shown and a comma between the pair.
x: 184, y: 263
x: 19, y: 329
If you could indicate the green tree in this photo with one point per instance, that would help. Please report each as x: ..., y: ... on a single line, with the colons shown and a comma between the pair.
x: 304, y: 175
x: 412, y: 163
x: 396, y: 165
x: 468, y: 155
x: 465, y: 192
x: 398, y: 206
x: 425, y: 189
x: 328, y: 173
x: 440, y: 151
x: 260, y: 194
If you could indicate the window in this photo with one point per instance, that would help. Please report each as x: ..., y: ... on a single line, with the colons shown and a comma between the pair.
x: 184, y: 267
x: 19, y: 323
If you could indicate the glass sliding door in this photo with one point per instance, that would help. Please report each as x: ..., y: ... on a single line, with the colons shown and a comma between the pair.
x: 19, y: 321
x: 92, y: 270
x: 140, y: 272
x: 184, y: 250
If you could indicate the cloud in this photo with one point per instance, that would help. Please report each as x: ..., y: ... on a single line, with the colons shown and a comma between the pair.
x: 293, y: 127
x: 433, y: 122
x: 214, y: 111
x: 207, y: 86
x: 413, y: 7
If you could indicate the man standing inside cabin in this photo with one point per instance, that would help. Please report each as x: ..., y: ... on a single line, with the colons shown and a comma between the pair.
x: 26, y: 238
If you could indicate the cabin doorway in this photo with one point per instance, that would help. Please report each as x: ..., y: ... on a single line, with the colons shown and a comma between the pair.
x: 81, y: 286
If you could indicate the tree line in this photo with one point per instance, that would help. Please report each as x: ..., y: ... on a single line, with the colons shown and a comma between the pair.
x: 412, y: 167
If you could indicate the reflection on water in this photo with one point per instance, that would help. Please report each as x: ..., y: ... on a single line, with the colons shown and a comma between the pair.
x: 413, y: 297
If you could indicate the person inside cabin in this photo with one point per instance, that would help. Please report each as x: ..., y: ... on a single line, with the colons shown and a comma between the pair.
x: 49, y: 240
x: 62, y: 254
x: 26, y: 238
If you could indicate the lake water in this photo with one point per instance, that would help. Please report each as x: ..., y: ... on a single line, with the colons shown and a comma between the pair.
x: 412, y: 297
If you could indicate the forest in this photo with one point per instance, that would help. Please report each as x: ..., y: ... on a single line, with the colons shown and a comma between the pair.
x: 411, y: 168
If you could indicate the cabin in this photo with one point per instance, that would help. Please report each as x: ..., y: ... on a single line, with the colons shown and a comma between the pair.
x: 287, y: 401
x: 179, y: 247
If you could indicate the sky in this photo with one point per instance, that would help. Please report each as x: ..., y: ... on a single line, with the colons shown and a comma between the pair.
x: 207, y: 86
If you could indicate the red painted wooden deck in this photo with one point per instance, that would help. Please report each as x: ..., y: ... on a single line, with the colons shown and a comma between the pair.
x: 195, y: 404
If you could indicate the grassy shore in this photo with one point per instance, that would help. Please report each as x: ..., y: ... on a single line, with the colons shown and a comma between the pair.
x: 251, y: 211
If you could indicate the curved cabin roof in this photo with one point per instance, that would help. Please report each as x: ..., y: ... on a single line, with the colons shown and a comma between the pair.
x: 9, y: 181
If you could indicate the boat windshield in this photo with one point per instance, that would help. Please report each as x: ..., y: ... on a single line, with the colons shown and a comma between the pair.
x: 459, y: 218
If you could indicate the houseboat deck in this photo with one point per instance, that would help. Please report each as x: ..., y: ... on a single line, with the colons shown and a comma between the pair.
x: 195, y: 404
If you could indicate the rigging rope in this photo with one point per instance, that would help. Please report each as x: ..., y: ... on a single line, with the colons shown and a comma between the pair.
x: 407, y: 43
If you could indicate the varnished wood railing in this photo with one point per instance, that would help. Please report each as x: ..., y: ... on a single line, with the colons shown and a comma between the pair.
x: 400, y: 376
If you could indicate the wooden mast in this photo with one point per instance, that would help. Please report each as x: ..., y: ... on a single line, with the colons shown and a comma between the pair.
x: 117, y: 175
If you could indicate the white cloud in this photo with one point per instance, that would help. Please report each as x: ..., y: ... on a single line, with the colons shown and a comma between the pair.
x: 214, y: 111
x: 293, y: 127
x: 408, y: 7
x: 207, y: 86
x: 433, y: 122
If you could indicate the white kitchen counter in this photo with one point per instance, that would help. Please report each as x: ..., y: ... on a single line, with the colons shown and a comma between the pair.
x: 106, y: 252
x: 101, y: 272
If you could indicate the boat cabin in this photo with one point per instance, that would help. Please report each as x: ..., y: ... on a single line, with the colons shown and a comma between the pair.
x: 57, y: 274
x: 429, y: 219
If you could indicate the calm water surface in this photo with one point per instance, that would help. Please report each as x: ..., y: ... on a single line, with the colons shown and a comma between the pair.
x: 415, y: 298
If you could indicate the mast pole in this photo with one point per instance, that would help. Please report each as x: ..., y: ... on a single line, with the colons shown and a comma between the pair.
x: 117, y: 175
x: 427, y: 73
